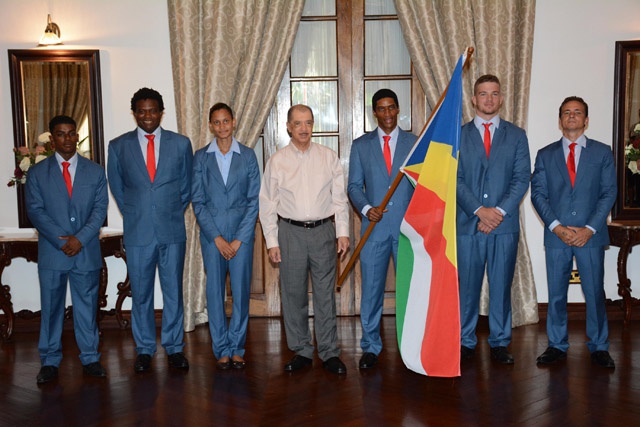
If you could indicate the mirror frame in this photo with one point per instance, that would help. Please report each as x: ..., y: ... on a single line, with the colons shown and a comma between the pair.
x: 621, y: 94
x: 16, y: 58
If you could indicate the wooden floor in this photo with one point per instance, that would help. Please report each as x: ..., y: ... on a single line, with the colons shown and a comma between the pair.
x: 574, y: 393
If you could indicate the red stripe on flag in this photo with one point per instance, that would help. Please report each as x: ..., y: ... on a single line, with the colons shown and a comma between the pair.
x: 440, y: 353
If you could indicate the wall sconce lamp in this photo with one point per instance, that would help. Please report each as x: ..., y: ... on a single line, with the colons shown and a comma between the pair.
x: 51, y: 34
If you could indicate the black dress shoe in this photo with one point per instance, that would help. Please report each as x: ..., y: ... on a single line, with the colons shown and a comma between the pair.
x: 368, y: 360
x: 334, y: 365
x: 94, y: 369
x: 602, y: 358
x: 502, y: 355
x: 298, y: 362
x: 47, y: 373
x: 223, y: 365
x: 238, y: 364
x: 178, y: 361
x: 467, y: 353
x: 551, y: 355
x: 143, y: 363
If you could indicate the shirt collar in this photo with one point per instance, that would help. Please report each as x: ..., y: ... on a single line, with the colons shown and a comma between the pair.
x: 142, y: 133
x: 72, y: 161
x: 300, y: 152
x: 394, y: 134
x: 581, y: 141
x: 213, y: 147
x: 479, y: 121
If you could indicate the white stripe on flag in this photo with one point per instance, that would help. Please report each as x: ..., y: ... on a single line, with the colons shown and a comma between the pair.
x: 415, y: 317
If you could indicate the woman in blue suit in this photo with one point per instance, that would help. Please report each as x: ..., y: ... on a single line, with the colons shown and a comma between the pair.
x: 226, y: 184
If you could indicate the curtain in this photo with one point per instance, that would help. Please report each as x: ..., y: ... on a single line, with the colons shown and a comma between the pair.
x: 66, y: 90
x: 501, y: 31
x: 232, y: 51
x: 52, y: 89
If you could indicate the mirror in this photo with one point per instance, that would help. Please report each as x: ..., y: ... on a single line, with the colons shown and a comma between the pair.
x: 46, y: 83
x: 626, y: 128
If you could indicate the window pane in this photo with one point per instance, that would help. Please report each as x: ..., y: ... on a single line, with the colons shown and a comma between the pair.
x: 319, y: 8
x: 327, y: 141
x: 384, y: 50
x: 378, y: 7
x: 322, y: 97
x: 402, y: 88
x: 314, y: 51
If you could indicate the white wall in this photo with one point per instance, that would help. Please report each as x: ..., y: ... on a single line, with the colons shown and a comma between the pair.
x: 573, y: 55
x: 133, y: 39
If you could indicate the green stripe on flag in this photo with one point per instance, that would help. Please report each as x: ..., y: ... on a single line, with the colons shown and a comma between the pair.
x: 404, y: 271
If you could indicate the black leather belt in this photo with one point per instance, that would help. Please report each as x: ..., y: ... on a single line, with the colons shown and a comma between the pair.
x: 306, y: 224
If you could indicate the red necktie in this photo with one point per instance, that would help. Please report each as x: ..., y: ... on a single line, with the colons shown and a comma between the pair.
x: 387, y: 153
x: 67, y: 177
x: 487, y: 138
x: 571, y: 163
x: 151, y: 157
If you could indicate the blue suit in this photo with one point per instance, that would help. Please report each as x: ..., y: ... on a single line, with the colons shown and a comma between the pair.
x: 587, y: 203
x: 368, y: 184
x: 228, y: 210
x: 154, y: 231
x: 499, y: 181
x: 55, y: 214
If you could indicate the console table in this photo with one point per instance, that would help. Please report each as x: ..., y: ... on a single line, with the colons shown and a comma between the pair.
x: 625, y: 235
x: 23, y: 243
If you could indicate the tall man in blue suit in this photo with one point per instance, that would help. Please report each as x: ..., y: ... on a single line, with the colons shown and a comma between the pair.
x: 226, y: 185
x: 373, y: 165
x: 66, y: 200
x: 573, y: 189
x: 149, y: 173
x: 493, y: 175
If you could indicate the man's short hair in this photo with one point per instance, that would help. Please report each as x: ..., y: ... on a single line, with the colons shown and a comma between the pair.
x: 220, y: 106
x: 61, y: 120
x: 576, y: 99
x: 146, y: 93
x: 300, y: 107
x: 487, y: 78
x: 384, y: 93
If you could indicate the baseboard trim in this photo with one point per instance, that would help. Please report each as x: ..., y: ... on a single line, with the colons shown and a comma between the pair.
x: 575, y: 311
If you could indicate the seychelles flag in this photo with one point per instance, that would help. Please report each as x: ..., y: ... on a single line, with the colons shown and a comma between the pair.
x: 427, y: 301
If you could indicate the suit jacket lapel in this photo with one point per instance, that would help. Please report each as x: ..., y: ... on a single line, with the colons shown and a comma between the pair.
x: 376, y: 150
x: 213, y: 170
x: 585, y: 157
x: 55, y: 174
x: 403, y: 147
x: 236, y: 161
x: 561, y: 163
x: 499, y: 139
x: 166, y: 150
x: 477, y: 145
x: 135, y: 153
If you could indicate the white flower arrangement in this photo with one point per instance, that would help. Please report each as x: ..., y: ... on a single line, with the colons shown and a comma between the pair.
x: 25, y: 158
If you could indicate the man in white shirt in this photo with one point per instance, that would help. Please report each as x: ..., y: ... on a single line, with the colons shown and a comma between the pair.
x: 303, y: 187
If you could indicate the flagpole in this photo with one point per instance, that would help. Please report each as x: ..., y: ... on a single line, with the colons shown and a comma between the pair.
x: 392, y: 189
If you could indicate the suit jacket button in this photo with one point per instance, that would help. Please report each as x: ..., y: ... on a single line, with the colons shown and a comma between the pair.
x: 486, y: 196
x: 573, y: 213
x: 73, y: 219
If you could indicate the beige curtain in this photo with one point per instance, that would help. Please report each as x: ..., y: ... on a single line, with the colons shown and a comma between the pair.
x: 52, y: 89
x: 32, y: 77
x: 66, y: 90
x: 232, y: 51
x: 501, y: 32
